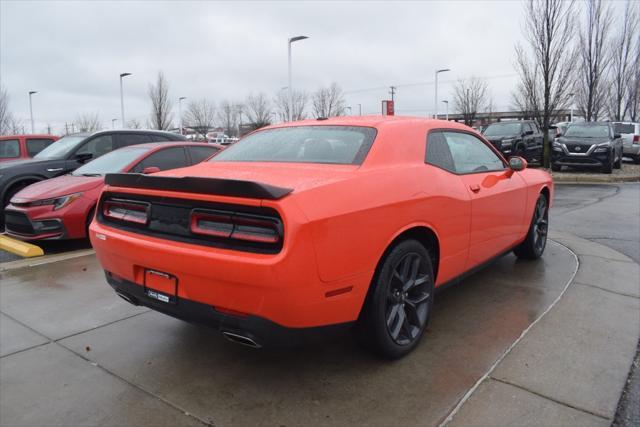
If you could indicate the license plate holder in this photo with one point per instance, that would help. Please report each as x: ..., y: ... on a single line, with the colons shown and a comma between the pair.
x: 160, y: 286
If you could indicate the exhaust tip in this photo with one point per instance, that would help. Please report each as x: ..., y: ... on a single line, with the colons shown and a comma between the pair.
x: 240, y: 339
x: 127, y: 298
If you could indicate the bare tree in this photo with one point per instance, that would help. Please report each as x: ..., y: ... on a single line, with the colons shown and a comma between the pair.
x: 258, y: 110
x: 470, y: 97
x: 300, y: 101
x: 89, y: 122
x: 134, y: 124
x: 546, y: 82
x: 160, y: 103
x: 633, y: 90
x: 229, y: 117
x: 621, y: 62
x: 200, y: 116
x: 594, y: 59
x: 328, y: 101
x: 5, y: 114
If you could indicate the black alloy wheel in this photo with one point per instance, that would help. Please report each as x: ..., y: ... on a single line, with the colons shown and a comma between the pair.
x: 536, y: 240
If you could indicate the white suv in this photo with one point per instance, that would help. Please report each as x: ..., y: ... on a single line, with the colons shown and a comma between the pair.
x: 630, y: 133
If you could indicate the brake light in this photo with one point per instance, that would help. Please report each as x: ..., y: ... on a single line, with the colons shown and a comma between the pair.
x: 636, y: 139
x: 126, y: 210
x: 236, y: 226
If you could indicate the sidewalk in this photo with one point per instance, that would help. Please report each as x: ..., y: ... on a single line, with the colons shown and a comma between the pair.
x: 571, y: 366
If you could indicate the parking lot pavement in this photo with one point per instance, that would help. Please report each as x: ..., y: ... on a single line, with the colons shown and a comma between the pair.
x: 69, y: 332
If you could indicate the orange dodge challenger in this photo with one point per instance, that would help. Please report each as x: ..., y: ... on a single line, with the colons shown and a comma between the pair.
x: 320, y: 223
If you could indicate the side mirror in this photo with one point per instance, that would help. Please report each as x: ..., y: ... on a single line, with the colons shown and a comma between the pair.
x: 83, y: 157
x: 517, y: 163
x: 150, y: 169
x: 558, y: 135
x: 617, y: 136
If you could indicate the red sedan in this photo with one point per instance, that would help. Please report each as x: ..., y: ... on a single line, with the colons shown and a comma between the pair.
x: 62, y: 207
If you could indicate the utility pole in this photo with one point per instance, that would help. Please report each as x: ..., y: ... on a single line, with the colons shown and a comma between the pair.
x: 392, y: 92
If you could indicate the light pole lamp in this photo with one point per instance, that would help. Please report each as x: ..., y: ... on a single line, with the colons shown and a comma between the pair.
x: 32, y: 92
x: 180, y: 111
x: 442, y: 70
x: 446, y: 103
x: 571, y: 95
x: 292, y: 40
x: 122, y: 99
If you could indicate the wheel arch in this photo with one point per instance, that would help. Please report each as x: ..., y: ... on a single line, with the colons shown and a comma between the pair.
x: 30, y: 178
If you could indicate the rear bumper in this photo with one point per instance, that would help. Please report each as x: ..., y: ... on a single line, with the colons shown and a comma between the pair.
x: 248, y: 330
x: 631, y: 150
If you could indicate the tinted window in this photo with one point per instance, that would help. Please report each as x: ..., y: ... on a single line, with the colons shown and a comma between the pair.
x: 303, y: 144
x: 34, y: 146
x: 438, y: 153
x: 126, y: 139
x: 169, y: 158
x: 160, y: 138
x: 9, y: 149
x: 624, y: 127
x: 61, y: 148
x: 112, y: 162
x: 199, y: 154
x: 503, y: 129
x: 471, y: 154
x: 97, y: 146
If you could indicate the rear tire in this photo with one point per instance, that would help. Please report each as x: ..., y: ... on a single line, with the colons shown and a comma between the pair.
x: 618, y: 163
x: 536, y: 240
x: 399, y: 303
x: 608, y: 168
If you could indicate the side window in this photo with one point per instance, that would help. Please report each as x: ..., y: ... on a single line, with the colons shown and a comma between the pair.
x: 438, y: 153
x: 198, y: 154
x: 526, y: 127
x: 471, y: 155
x: 97, y: 146
x: 127, y: 139
x: 169, y: 158
x: 9, y: 149
x: 159, y: 138
x: 34, y: 146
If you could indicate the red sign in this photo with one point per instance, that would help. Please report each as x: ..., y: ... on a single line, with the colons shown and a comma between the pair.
x: 387, y: 108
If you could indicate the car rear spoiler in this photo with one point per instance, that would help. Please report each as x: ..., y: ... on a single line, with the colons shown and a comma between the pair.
x: 191, y: 184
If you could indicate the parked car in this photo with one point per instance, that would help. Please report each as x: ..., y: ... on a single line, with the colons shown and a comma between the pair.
x: 518, y: 138
x: 320, y: 222
x: 15, y: 147
x: 63, y: 207
x: 630, y: 134
x: 68, y: 154
x: 590, y: 144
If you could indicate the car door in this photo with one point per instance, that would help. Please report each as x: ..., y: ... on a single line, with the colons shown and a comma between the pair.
x: 200, y: 153
x: 498, y: 196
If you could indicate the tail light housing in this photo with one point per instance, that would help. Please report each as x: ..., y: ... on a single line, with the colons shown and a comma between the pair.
x: 236, y: 226
x: 636, y: 139
x: 126, y: 211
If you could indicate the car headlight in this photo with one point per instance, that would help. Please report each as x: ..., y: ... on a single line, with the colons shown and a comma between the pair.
x: 556, y: 146
x: 602, y: 148
x: 57, y: 202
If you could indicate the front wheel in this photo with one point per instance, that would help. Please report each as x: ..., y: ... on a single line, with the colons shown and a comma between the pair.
x: 618, y: 163
x: 536, y: 240
x: 399, y: 303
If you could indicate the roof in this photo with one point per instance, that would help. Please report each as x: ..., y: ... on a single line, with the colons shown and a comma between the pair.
x: 153, y: 145
x: 372, y: 121
x: 33, y: 135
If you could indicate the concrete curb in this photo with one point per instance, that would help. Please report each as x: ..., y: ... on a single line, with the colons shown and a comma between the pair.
x: 570, y: 366
x: 46, y: 259
x: 594, y: 179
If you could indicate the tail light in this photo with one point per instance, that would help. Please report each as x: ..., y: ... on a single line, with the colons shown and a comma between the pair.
x: 126, y: 210
x: 636, y: 139
x: 238, y: 226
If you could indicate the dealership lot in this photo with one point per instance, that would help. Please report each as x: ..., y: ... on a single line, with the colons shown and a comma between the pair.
x: 73, y: 353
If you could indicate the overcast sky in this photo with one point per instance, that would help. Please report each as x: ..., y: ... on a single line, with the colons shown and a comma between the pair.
x: 72, y: 52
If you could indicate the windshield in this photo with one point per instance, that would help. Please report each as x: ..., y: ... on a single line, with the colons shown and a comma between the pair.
x: 597, y: 131
x: 624, y: 127
x: 61, y: 148
x: 503, y: 129
x: 111, y: 162
x: 343, y: 145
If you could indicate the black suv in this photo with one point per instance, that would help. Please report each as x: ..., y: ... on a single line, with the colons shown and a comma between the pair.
x: 517, y: 138
x: 67, y: 154
x: 592, y: 144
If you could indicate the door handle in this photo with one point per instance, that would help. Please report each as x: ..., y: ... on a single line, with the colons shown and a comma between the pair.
x: 474, y: 187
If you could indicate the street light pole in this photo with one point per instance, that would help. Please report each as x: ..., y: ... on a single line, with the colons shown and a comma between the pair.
x: 360, y: 109
x: 446, y: 103
x: 180, y: 111
x: 292, y: 40
x: 122, y: 99
x: 113, y: 123
x: 442, y: 70
x: 31, y: 109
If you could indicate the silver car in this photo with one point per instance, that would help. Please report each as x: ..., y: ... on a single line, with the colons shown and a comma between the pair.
x: 630, y: 133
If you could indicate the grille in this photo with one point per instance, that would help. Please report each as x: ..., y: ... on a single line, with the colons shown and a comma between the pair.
x: 578, y: 148
x: 171, y: 219
x: 18, y: 222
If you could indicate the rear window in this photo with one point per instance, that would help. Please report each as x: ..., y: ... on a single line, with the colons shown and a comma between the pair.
x: 345, y: 145
x: 9, y: 149
x: 34, y: 146
x: 624, y: 128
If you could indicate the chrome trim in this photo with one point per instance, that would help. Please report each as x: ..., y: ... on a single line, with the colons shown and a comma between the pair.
x: 586, y: 153
x: 54, y: 169
x: 240, y: 339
